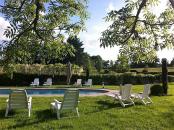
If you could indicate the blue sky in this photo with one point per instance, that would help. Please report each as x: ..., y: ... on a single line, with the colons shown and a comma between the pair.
x: 94, y: 26
x: 98, y: 9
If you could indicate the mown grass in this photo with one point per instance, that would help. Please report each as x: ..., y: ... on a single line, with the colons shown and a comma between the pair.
x: 96, y: 113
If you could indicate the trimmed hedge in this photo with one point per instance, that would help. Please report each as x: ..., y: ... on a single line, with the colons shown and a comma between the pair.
x: 157, y: 90
x: 51, y: 69
x: 108, y: 79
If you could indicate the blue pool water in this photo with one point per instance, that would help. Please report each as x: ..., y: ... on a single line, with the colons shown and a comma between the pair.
x: 52, y: 91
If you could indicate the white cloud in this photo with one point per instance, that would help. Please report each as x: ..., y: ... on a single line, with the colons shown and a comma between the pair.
x: 42, y: 13
x: 3, y: 26
x: 160, y: 7
x: 91, y: 41
x: 110, y: 7
x: 166, y: 53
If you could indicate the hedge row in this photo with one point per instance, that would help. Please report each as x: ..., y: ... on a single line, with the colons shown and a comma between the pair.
x: 56, y: 69
x: 26, y: 79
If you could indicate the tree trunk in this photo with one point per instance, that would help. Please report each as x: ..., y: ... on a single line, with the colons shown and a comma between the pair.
x: 164, y: 75
x: 87, y: 74
x: 172, y: 3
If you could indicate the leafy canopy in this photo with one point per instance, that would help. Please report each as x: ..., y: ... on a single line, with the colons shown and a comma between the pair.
x: 41, y: 23
x: 138, y: 31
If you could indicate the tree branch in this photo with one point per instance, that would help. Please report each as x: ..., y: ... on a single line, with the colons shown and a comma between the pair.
x: 143, y: 3
x: 22, y: 4
x: 155, y: 24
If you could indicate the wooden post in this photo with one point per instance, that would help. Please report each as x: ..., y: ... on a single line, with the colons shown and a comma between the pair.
x: 164, y: 75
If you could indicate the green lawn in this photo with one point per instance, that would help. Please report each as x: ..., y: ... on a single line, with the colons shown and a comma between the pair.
x: 96, y: 113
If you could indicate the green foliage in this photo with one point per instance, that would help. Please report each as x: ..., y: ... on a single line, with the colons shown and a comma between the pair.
x: 37, y: 29
x: 97, y: 62
x: 56, y: 69
x: 138, y: 31
x: 172, y: 62
x: 141, y: 64
x: 22, y: 79
x: 79, y: 51
x: 122, y: 64
x: 157, y: 90
x: 10, y: 69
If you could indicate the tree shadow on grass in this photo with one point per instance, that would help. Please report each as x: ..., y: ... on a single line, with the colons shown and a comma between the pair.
x: 102, y: 106
x: 46, y: 114
x: 2, y: 114
x: 41, y: 116
x: 108, y: 104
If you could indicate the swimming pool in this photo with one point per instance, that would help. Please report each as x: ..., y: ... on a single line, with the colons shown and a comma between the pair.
x: 55, y: 91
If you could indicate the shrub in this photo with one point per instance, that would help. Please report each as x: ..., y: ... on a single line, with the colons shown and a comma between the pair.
x: 39, y: 69
x: 134, y: 71
x: 157, y: 90
x: 22, y: 79
x: 145, y: 70
x: 170, y: 78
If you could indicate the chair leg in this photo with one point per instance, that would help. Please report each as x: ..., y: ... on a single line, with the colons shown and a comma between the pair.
x: 58, y: 114
x: 132, y: 102
x: 29, y: 112
x: 6, y: 113
x: 143, y: 101
x: 149, y: 99
x: 77, y: 112
x: 122, y: 103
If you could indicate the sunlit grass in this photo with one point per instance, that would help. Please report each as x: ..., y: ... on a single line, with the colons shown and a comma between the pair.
x: 96, y: 113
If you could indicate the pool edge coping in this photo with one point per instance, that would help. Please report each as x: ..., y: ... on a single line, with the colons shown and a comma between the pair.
x: 49, y: 95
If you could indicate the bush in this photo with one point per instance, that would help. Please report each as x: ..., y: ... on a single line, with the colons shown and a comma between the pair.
x: 145, y: 70
x: 170, y: 78
x: 51, y: 69
x: 157, y: 90
x: 134, y: 71
x: 22, y: 79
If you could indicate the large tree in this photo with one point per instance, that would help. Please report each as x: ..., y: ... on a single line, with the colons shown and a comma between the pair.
x: 97, y: 62
x: 79, y: 51
x: 36, y: 24
x: 138, y: 30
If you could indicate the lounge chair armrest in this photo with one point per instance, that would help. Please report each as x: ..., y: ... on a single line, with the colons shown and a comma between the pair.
x: 117, y: 96
x: 29, y: 99
x: 115, y: 93
x: 7, y: 100
x: 58, y: 102
x: 135, y: 95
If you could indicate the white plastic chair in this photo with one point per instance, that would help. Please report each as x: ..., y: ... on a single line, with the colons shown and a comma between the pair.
x: 124, y: 96
x: 48, y: 82
x: 70, y: 102
x: 35, y: 82
x: 78, y: 83
x: 88, y: 83
x: 144, y: 96
x: 17, y: 100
